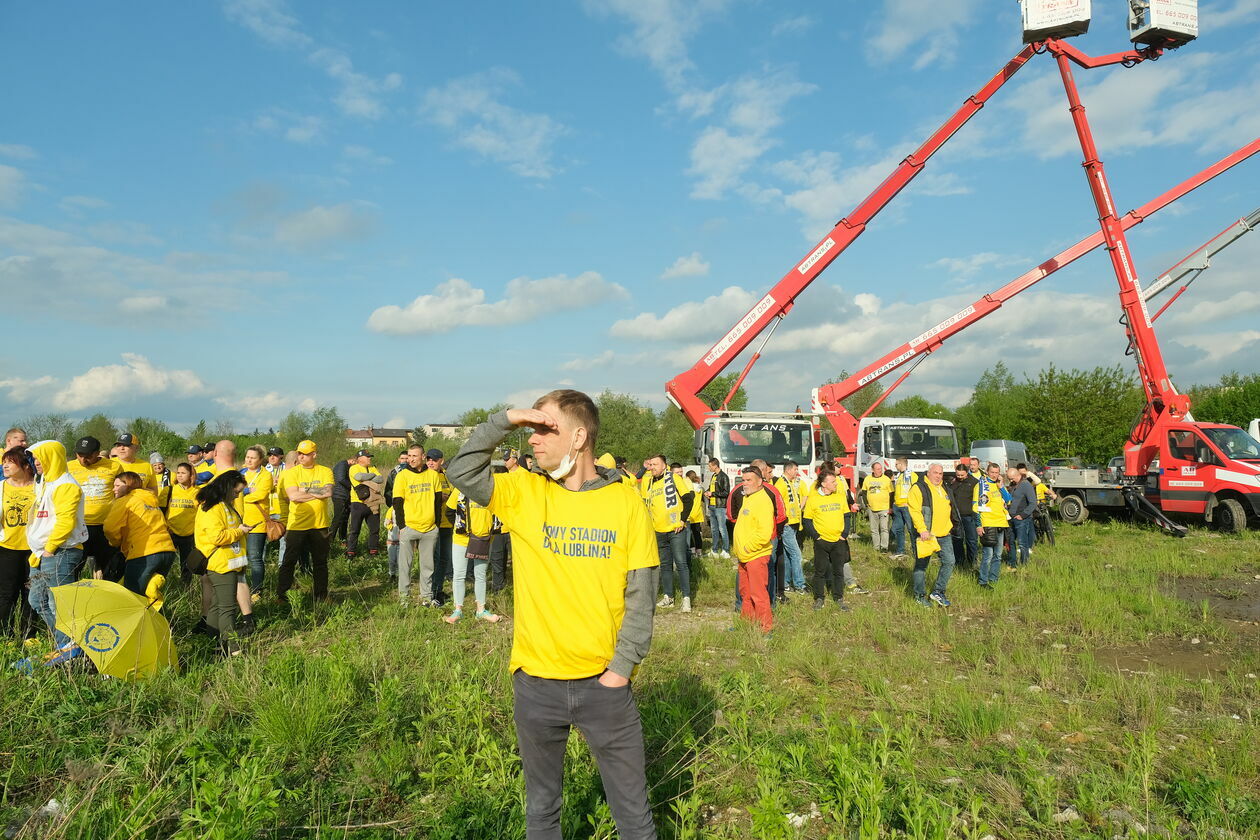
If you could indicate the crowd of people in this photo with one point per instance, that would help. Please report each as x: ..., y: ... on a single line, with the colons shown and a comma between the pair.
x: 596, y: 549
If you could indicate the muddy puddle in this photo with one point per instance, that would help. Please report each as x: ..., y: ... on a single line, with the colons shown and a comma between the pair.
x: 1234, y: 599
x: 1198, y: 661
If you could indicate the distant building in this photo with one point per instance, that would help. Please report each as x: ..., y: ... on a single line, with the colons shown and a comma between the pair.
x: 372, y: 436
x: 449, y: 430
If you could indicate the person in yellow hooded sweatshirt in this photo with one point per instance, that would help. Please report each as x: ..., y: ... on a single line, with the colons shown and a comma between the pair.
x: 55, y: 531
x: 136, y: 525
x: 668, y: 497
x: 220, y: 535
x: 934, y: 517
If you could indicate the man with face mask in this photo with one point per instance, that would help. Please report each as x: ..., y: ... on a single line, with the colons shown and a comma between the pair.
x: 585, y: 562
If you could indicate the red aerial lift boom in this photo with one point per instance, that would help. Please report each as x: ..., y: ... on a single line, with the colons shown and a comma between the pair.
x: 1164, y: 406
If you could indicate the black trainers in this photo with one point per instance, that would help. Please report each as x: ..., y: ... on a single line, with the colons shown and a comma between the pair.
x: 841, y: 605
x: 205, y: 629
x: 246, y: 625
x: 819, y: 603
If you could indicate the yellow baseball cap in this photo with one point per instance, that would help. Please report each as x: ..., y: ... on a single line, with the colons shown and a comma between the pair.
x: 306, y: 447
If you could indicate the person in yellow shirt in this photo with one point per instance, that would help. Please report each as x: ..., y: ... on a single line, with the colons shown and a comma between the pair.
x: 901, y: 528
x: 256, y: 502
x: 435, y: 460
x: 308, y: 486
x: 416, y: 496
x: 668, y: 497
x: 365, y: 504
x: 181, y: 514
x: 695, y: 519
x: 95, y: 475
x: 219, y: 534
x: 824, y: 520
x: 789, y: 571
x: 585, y: 578
x: 137, y: 527
x: 54, y: 531
x: 473, y: 527
x: 126, y: 448
x: 752, y: 543
x: 994, y: 522
x: 17, y: 500
x: 877, y: 489
x: 934, y: 517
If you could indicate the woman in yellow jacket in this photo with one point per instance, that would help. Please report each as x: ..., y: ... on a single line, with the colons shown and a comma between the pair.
x: 219, y: 534
x: 136, y: 526
x: 257, y: 499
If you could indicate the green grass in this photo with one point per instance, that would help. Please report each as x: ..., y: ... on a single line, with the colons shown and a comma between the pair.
x: 366, y: 720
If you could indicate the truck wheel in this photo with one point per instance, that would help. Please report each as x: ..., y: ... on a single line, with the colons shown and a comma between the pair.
x: 1229, y: 516
x: 1072, y: 510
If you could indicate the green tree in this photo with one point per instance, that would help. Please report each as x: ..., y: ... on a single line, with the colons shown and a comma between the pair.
x: 716, y: 391
x: 1087, y: 414
x: 294, y: 428
x: 676, y: 439
x: 627, y: 427
x: 50, y: 427
x: 992, y: 413
x: 200, y: 433
x: 419, y: 435
x: 916, y: 406
x: 156, y: 436
x: 328, y: 430
x: 477, y: 416
x: 98, y: 426
x: 1234, y: 400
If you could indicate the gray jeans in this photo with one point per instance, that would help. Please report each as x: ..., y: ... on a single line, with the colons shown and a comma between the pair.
x: 545, y: 711
x: 879, y: 528
x: 411, y: 543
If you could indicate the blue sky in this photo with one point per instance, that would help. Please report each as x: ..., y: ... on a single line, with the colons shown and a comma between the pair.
x: 227, y: 211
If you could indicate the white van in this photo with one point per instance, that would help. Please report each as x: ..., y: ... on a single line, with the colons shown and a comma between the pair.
x: 1004, y: 453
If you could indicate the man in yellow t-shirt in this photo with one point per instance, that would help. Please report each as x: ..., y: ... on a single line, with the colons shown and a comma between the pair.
x: 668, y: 498
x: 585, y: 580
x: 127, y: 446
x: 417, y: 493
x: 308, y: 487
x: 877, y: 489
x: 934, y: 517
x: 443, y: 568
x: 95, y: 474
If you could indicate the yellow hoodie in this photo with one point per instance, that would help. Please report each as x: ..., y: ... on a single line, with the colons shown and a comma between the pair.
x: 218, y: 535
x: 136, y: 525
x: 57, y: 519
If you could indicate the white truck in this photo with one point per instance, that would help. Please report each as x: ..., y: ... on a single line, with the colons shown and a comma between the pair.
x: 922, y: 441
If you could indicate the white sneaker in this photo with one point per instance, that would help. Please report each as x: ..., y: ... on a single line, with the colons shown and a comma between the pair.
x: 686, y: 606
x: 666, y: 601
x: 726, y: 555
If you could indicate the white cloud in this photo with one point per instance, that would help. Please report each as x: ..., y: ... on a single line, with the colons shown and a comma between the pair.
x: 470, y: 108
x: 868, y: 303
x: 792, y: 26
x: 1216, y: 16
x: 143, y: 304
x: 324, y: 225
x: 692, y: 265
x: 1216, y: 346
x: 362, y: 154
x: 457, y: 303
x: 266, y: 408
x: 294, y: 127
x: 965, y: 268
x: 683, y: 321
x: 11, y: 182
x: 124, y: 233
x: 929, y: 26
x: 395, y: 422
x: 1209, y: 115
x: 17, y: 151
x: 359, y: 95
x: 73, y: 204
x: 589, y: 362
x: 105, y: 385
x: 270, y: 20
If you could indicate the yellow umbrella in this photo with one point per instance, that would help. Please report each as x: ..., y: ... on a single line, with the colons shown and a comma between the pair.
x: 118, y: 630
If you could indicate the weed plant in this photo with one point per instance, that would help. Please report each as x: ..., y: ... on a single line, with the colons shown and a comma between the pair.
x: 1005, y: 716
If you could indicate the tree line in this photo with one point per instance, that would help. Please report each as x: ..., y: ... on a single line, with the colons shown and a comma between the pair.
x: 1057, y: 413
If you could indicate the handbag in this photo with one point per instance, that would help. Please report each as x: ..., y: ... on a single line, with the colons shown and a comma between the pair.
x: 197, y: 563
x: 989, y: 538
x: 275, y: 529
x: 478, y: 548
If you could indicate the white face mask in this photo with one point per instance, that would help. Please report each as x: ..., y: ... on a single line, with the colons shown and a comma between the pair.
x: 567, y: 463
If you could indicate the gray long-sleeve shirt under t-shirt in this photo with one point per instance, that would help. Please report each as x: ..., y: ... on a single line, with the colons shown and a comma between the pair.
x: 469, y: 471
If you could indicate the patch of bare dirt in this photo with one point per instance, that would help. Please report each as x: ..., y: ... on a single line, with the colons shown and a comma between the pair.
x: 1193, y: 657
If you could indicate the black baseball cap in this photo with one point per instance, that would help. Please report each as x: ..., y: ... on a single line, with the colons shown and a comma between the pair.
x: 194, y: 450
x: 87, y: 446
x: 363, y: 453
x: 127, y: 439
x: 207, y: 448
x: 435, y: 454
x: 275, y: 450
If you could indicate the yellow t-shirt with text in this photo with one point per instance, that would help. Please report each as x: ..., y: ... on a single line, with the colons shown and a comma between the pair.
x: 16, y: 504
x: 419, y: 490
x: 310, y: 515
x: 571, y: 552
x: 878, y: 492
x: 97, y: 482
x: 754, y: 527
x: 181, y: 513
x: 141, y: 468
x: 827, y: 513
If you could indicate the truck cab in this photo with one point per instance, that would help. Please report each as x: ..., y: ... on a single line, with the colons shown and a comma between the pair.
x: 737, y: 438
x: 920, y: 440
x: 1210, y: 470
